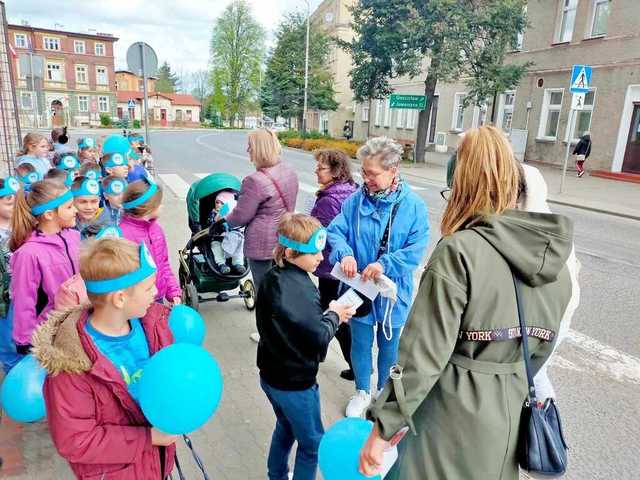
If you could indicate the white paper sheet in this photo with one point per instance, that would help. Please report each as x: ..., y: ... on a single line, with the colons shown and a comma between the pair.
x: 369, y: 289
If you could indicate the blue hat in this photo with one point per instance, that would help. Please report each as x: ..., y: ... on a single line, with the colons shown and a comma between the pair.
x: 95, y: 174
x: 116, y: 187
x: 110, y: 231
x: 116, y: 144
x: 114, y: 159
x: 69, y: 161
x: 136, y: 138
x: 11, y: 187
x: 86, y: 142
x: 31, y: 177
x: 88, y: 188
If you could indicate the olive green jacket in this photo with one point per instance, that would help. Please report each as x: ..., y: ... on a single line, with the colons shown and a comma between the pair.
x: 460, y: 381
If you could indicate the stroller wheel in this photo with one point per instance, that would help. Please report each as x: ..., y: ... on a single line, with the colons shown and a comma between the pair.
x: 249, y: 291
x: 190, y: 296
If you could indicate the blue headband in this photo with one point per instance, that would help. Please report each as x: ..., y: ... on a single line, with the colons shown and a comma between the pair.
x: 11, y: 187
x: 30, y: 178
x: 71, y: 175
x: 151, y: 191
x: 69, y: 162
x: 133, y: 154
x: 88, y: 188
x: 139, y: 138
x: 146, y: 269
x: 116, y: 187
x: 86, y: 142
x: 316, y: 243
x: 115, y: 160
x: 93, y: 174
x: 51, y: 204
x: 109, y: 232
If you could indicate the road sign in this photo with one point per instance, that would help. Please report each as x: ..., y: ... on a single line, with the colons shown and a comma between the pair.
x: 131, y: 103
x: 414, y: 102
x: 580, y: 79
x: 134, y: 59
x: 577, y: 101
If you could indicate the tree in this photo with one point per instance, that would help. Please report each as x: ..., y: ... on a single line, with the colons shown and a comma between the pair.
x: 282, y: 92
x: 460, y: 39
x: 237, y: 54
x: 197, y: 84
x: 167, y: 80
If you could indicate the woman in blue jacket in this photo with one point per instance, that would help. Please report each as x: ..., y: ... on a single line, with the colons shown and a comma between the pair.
x: 385, y: 206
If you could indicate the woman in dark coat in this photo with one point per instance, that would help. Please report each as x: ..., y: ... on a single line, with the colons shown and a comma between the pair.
x: 582, y: 152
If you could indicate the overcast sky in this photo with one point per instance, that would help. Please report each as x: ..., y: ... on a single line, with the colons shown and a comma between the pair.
x: 179, y: 31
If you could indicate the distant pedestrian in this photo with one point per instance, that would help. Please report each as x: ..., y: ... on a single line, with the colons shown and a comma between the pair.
x: 582, y: 152
x: 347, y: 131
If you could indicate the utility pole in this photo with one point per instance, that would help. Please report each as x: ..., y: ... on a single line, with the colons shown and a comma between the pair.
x: 306, y: 72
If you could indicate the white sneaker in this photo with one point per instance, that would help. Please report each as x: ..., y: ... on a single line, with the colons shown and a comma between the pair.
x: 378, y: 393
x: 255, y: 336
x: 358, y: 404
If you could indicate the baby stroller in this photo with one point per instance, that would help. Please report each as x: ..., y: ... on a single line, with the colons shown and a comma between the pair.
x: 198, y: 273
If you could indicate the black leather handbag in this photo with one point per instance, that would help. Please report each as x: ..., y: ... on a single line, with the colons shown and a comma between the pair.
x: 542, y: 449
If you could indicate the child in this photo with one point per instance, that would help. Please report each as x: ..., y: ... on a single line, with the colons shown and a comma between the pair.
x: 87, y: 150
x: 59, y: 138
x: 94, y: 359
x: 45, y: 254
x: 141, y: 203
x: 90, y: 169
x: 8, y: 355
x: 86, y: 199
x: 294, y: 337
x: 115, y: 164
x: 112, y: 191
x: 35, y: 151
x: 232, y: 242
x: 27, y: 175
x: 64, y: 177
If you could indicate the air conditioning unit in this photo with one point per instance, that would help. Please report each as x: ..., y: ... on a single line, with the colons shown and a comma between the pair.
x: 441, y: 142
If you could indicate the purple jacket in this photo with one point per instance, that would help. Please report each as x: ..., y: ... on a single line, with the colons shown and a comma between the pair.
x: 150, y: 232
x: 40, y: 265
x: 327, y: 206
x: 260, y: 208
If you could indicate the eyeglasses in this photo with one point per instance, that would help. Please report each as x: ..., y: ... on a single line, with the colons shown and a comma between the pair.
x: 366, y: 174
x: 445, y: 194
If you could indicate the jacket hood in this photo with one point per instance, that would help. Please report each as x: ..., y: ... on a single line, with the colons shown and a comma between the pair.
x: 346, y: 188
x: 54, y: 239
x: 536, y: 245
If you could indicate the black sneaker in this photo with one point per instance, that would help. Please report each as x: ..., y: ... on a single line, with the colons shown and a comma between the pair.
x: 347, y: 375
x: 239, y: 269
x: 224, y: 269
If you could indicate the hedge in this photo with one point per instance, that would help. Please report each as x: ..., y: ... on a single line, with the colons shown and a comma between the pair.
x: 311, y: 144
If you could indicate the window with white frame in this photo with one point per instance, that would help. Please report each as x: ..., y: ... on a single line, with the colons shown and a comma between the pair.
x: 401, y: 117
x: 79, y: 46
x: 189, y: 115
x: 26, y: 101
x: 103, y: 104
x: 81, y: 74
x: 99, y: 49
x: 567, y: 20
x: 20, y: 40
x: 411, y: 119
x: 520, y: 36
x: 505, y: 111
x: 83, y: 103
x: 457, y: 122
x: 101, y: 76
x: 550, y: 117
x: 387, y: 113
x: 54, y: 72
x: 600, y: 17
x: 582, y: 120
x: 365, y: 112
x: 379, y: 112
x: 51, y: 43
x: 479, y: 115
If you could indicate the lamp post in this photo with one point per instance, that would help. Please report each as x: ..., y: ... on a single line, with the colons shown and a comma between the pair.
x: 306, y: 72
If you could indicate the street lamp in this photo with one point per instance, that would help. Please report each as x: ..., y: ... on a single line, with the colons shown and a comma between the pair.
x: 306, y: 72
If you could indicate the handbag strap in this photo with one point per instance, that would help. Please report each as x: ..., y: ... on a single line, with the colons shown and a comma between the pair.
x: 275, y: 184
x: 384, y: 242
x: 531, y: 394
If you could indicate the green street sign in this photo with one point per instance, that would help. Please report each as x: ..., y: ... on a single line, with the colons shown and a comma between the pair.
x: 415, y: 102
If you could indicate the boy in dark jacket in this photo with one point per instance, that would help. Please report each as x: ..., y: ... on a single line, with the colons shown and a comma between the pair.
x: 294, y: 337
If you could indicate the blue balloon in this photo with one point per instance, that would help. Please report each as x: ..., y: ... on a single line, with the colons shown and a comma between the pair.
x: 21, y: 394
x: 180, y: 388
x: 186, y: 325
x: 116, y: 144
x: 339, y: 453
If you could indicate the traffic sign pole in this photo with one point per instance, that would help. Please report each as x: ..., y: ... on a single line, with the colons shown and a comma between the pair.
x: 144, y: 89
x: 572, y: 115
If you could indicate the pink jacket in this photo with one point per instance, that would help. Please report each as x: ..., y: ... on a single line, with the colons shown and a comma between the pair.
x: 39, y: 267
x: 150, y: 232
x: 94, y: 422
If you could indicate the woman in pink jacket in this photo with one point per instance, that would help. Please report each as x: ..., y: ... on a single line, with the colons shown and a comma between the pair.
x: 45, y: 255
x: 141, y: 203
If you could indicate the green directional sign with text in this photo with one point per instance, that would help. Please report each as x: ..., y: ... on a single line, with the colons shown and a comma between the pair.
x: 416, y: 102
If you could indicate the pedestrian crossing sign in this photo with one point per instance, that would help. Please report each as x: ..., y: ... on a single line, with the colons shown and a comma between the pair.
x: 131, y: 103
x: 580, y: 79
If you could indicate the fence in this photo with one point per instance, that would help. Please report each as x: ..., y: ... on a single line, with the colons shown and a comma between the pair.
x: 9, y: 122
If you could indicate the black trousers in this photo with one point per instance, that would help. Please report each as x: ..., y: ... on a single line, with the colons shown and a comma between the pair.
x: 329, y: 292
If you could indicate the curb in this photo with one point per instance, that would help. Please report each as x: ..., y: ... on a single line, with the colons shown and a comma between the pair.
x: 613, y: 213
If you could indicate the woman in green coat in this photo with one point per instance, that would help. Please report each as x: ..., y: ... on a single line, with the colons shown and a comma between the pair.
x: 460, y: 382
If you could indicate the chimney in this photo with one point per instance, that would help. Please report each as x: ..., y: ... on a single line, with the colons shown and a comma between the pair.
x: 24, y: 23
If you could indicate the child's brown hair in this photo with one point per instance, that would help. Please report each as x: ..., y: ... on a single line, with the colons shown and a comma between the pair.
x: 30, y: 140
x: 87, y: 167
x: 297, y: 227
x: 25, y: 169
x: 58, y: 175
x: 134, y: 191
x: 105, y: 259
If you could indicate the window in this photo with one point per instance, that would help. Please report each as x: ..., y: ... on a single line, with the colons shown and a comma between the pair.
x: 324, y: 120
x: 401, y: 117
x: 78, y: 46
x: 178, y: 115
x: 479, y: 115
x: 26, y: 101
x: 411, y: 119
x: 54, y: 72
x: 20, y: 40
x: 51, y: 43
x: 520, y: 36
x: 458, y: 112
x: 567, y: 20
x: 103, y: 104
x: 582, y: 120
x: 99, y: 49
x: 505, y: 111
x: 101, y: 76
x: 600, y: 17
x: 550, y: 117
x: 365, y: 112
x: 387, y: 113
x: 83, y: 103
x: 81, y: 73
x: 379, y: 113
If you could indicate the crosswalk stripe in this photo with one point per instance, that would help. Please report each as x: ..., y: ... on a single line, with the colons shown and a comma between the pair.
x: 176, y: 184
x: 201, y: 175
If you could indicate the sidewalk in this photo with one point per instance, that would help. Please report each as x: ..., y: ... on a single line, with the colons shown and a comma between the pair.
x: 590, y: 193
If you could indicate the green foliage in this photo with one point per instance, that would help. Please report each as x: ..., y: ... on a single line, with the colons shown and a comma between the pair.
x: 136, y: 124
x: 282, y: 91
x: 167, y: 80
x: 105, y: 120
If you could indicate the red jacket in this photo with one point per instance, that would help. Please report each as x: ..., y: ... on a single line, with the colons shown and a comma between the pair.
x: 95, y: 423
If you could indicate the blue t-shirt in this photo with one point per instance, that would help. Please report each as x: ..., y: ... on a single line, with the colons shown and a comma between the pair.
x: 138, y: 172
x: 128, y: 353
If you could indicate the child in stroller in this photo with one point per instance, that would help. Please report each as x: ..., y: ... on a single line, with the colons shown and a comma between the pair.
x: 226, y: 243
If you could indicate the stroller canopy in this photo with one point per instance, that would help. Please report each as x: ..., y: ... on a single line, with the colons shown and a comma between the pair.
x: 209, y: 185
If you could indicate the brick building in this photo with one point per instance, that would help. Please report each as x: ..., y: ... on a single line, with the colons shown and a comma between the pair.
x: 62, y: 78
x: 130, y: 82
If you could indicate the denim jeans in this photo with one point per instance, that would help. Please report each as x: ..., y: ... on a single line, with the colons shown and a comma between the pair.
x: 361, y: 353
x: 297, y: 419
x: 8, y: 355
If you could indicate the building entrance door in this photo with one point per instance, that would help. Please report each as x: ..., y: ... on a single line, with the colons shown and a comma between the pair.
x: 163, y: 117
x: 57, y: 113
x: 631, y: 161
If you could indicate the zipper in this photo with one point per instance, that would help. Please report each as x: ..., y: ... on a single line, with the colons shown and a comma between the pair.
x: 66, y: 248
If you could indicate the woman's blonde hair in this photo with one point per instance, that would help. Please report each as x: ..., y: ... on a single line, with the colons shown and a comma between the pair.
x: 134, y: 191
x: 265, y: 147
x: 297, y: 227
x: 30, y: 140
x: 485, y: 181
x: 23, y: 222
x: 105, y: 259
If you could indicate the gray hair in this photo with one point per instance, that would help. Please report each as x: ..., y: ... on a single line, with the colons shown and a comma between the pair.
x: 383, y: 148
